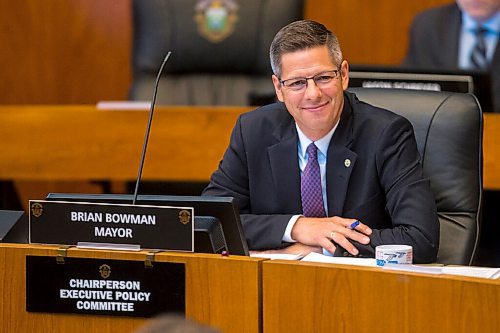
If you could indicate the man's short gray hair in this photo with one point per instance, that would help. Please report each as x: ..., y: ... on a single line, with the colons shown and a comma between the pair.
x: 302, y: 35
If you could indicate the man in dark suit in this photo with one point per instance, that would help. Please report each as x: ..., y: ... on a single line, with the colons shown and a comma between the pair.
x: 307, y: 170
x: 446, y: 37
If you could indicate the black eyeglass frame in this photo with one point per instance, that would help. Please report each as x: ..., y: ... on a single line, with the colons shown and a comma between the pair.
x: 336, y: 73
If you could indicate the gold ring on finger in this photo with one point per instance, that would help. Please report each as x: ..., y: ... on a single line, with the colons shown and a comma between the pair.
x: 332, y: 234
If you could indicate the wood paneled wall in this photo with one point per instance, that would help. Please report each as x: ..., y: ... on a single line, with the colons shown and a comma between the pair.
x: 61, y: 52
x: 78, y: 51
x: 370, y: 32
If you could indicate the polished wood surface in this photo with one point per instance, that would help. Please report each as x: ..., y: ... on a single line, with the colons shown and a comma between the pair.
x: 310, y: 297
x: 242, y: 294
x: 82, y: 142
x: 186, y: 143
x: 223, y: 292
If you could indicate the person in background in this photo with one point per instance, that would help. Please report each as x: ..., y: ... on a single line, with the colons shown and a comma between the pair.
x: 461, y: 35
x: 320, y: 170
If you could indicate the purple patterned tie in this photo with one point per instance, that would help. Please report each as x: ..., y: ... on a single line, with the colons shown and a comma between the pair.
x: 310, y: 185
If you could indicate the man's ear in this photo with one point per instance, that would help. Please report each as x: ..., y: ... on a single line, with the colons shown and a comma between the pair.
x: 344, y: 72
x: 277, y: 88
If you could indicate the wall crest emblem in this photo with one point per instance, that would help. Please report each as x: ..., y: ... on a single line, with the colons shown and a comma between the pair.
x: 216, y: 18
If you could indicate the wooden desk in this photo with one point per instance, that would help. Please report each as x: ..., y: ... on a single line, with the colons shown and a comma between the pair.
x: 220, y: 291
x: 241, y: 294
x: 491, y: 151
x: 311, y: 297
x: 82, y: 142
x: 186, y: 143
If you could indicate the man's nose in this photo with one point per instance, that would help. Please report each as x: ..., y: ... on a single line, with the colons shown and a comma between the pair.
x: 312, y: 89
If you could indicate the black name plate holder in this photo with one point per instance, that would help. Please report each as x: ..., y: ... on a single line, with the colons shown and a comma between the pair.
x: 104, y: 286
x: 117, y: 226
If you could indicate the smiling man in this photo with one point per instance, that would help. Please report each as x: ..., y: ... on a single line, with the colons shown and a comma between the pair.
x: 320, y: 170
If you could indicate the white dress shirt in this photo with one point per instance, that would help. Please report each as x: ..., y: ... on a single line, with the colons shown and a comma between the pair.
x: 322, y: 145
x: 467, y: 39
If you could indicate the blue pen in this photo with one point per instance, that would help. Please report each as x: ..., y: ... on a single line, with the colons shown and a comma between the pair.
x: 353, y: 224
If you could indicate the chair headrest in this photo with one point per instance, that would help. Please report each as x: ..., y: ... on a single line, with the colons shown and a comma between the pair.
x: 232, y: 38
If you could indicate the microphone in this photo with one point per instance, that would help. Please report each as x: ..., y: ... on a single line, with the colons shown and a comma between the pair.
x: 148, y: 128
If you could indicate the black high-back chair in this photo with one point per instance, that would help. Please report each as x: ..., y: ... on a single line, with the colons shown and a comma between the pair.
x: 448, y: 129
x: 220, y: 49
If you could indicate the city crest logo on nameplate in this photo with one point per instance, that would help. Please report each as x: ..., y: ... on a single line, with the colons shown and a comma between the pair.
x: 112, y: 225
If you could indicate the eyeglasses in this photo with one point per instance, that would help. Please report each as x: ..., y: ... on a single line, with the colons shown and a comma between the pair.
x: 322, y: 79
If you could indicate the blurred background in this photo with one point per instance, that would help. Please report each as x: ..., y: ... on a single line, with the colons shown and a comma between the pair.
x: 84, y: 51
x: 80, y: 51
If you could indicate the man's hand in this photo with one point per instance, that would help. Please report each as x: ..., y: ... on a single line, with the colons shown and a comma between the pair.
x: 296, y: 248
x: 322, y: 231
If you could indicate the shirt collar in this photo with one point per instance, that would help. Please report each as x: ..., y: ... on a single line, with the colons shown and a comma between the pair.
x: 322, y: 143
x: 492, y: 25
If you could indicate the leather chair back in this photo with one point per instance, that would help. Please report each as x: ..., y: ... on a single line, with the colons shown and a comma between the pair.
x: 448, y: 129
x: 213, y: 62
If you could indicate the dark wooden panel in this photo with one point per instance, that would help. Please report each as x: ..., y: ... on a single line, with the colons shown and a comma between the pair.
x: 64, y: 51
x: 370, y: 32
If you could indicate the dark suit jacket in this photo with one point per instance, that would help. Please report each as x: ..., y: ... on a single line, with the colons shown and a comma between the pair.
x: 434, y: 38
x: 382, y: 186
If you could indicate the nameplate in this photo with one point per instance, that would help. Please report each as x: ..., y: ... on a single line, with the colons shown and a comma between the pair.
x: 431, y: 82
x: 74, y: 223
x: 104, y: 287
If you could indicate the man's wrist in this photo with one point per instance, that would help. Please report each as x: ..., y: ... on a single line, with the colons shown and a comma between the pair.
x: 287, y: 236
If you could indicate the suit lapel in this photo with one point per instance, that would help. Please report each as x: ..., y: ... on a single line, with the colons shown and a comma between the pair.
x: 283, y: 157
x: 340, y: 161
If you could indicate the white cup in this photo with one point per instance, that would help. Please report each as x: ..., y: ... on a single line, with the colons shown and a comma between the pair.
x: 393, y: 254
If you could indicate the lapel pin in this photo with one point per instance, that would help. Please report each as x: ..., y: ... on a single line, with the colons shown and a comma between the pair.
x: 347, y: 162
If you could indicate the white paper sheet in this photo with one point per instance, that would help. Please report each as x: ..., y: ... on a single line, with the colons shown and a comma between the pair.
x: 316, y: 257
x: 415, y: 268
x: 480, y: 272
x: 123, y: 105
x: 274, y: 256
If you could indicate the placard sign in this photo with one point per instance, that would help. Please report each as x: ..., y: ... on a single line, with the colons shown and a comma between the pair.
x: 104, y: 287
x: 70, y: 223
x: 412, y: 81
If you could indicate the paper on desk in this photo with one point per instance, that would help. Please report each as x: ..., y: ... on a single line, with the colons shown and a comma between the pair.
x: 316, y: 257
x: 480, y: 272
x: 274, y: 256
x: 123, y: 105
x: 415, y: 268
